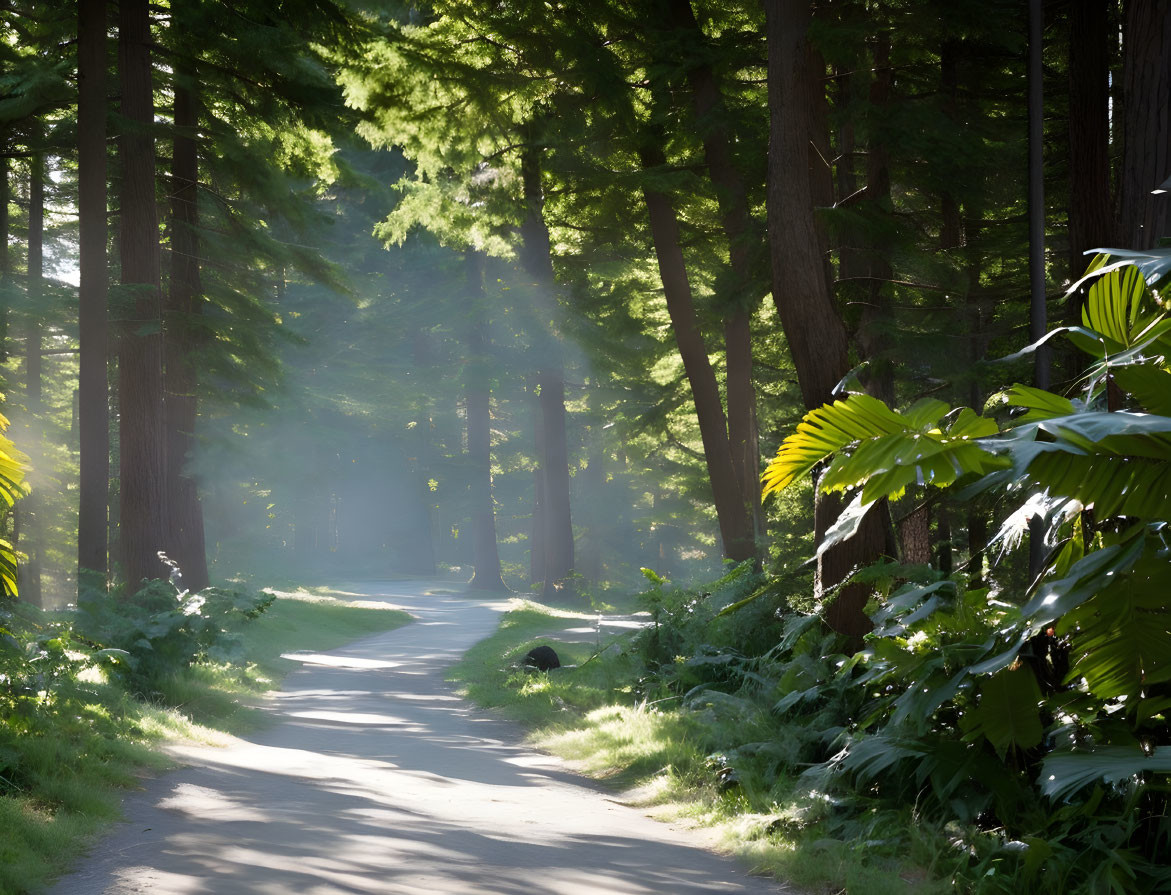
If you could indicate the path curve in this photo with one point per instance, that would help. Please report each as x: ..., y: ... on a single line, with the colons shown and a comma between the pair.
x: 378, y: 779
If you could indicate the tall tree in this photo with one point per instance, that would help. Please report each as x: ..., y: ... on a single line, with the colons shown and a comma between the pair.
x: 93, y: 387
x: 30, y: 510
x: 1145, y: 217
x: 813, y: 328
x: 142, y: 511
x: 554, y: 458
x: 185, y: 542
x: 478, y: 396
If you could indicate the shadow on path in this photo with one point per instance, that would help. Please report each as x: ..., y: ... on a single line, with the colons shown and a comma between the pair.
x: 378, y: 779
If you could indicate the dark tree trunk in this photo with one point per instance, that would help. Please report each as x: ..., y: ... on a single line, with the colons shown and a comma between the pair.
x: 93, y: 389
x: 558, y: 523
x: 877, y: 323
x: 735, y: 524
x: 29, y: 509
x: 1146, y: 152
x: 486, y: 557
x: 1038, y: 312
x: 809, y: 317
x: 186, y: 542
x: 711, y: 116
x: 1091, y: 222
x: 142, y: 513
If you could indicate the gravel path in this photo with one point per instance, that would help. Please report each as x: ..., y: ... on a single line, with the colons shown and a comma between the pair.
x: 378, y: 779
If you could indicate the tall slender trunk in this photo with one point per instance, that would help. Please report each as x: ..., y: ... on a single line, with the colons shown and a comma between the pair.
x: 813, y: 329
x: 93, y: 408
x: 538, y: 262
x: 732, y: 199
x: 876, y: 323
x: 477, y: 394
x: 185, y: 544
x: 142, y: 513
x: 30, y: 509
x: 539, y: 532
x: 5, y: 258
x: 1038, y: 312
x: 735, y: 525
x: 1146, y: 152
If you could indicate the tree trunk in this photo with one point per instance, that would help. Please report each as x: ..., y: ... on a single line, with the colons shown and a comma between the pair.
x: 93, y: 389
x: 30, y: 508
x: 486, y: 556
x: 876, y: 322
x: 539, y: 528
x: 735, y: 524
x: 809, y: 317
x: 142, y: 513
x: 732, y: 198
x: 186, y: 542
x: 558, y: 523
x: 1091, y: 223
x: 1146, y: 151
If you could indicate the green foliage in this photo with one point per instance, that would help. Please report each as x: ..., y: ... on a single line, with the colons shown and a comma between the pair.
x: 161, y: 631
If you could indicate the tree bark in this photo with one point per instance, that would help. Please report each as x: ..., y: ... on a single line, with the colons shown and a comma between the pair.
x: 1091, y: 222
x: 477, y: 393
x: 813, y: 329
x: 735, y: 524
x: 876, y: 322
x: 180, y: 335
x: 732, y: 199
x: 142, y: 513
x: 808, y: 315
x: 1146, y: 152
x: 558, y: 523
x: 93, y: 387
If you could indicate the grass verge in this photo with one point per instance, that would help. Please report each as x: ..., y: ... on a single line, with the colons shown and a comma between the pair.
x: 670, y: 758
x: 62, y: 766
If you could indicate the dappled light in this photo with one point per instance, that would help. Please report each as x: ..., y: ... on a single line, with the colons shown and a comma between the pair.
x: 377, y: 779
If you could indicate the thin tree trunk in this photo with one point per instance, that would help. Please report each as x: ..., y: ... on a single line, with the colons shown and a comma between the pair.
x: 735, y: 524
x: 1146, y: 152
x: 813, y: 329
x: 876, y: 322
x: 186, y: 542
x: 5, y: 258
x: 486, y: 556
x: 31, y: 528
x: 558, y: 533
x: 1038, y: 315
x: 93, y: 389
x: 539, y: 529
x: 142, y: 514
x: 732, y: 198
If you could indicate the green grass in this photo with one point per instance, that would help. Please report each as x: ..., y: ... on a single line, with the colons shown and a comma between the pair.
x: 664, y: 757
x: 64, y: 765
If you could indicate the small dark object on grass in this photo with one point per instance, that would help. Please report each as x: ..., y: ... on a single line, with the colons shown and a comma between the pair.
x: 542, y: 658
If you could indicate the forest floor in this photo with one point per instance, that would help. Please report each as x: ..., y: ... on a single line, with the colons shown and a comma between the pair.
x: 376, y: 778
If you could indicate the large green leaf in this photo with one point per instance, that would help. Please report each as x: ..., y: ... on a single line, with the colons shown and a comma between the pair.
x: 826, y: 430
x: 1064, y: 773
x: 1148, y: 383
x: 1039, y: 404
x: 1009, y: 711
x: 1112, y: 304
x: 1121, y: 637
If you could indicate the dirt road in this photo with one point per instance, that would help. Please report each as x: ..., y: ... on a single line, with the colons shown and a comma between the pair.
x: 378, y: 779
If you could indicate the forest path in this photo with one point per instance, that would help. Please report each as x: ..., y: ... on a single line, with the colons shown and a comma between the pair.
x: 377, y: 778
